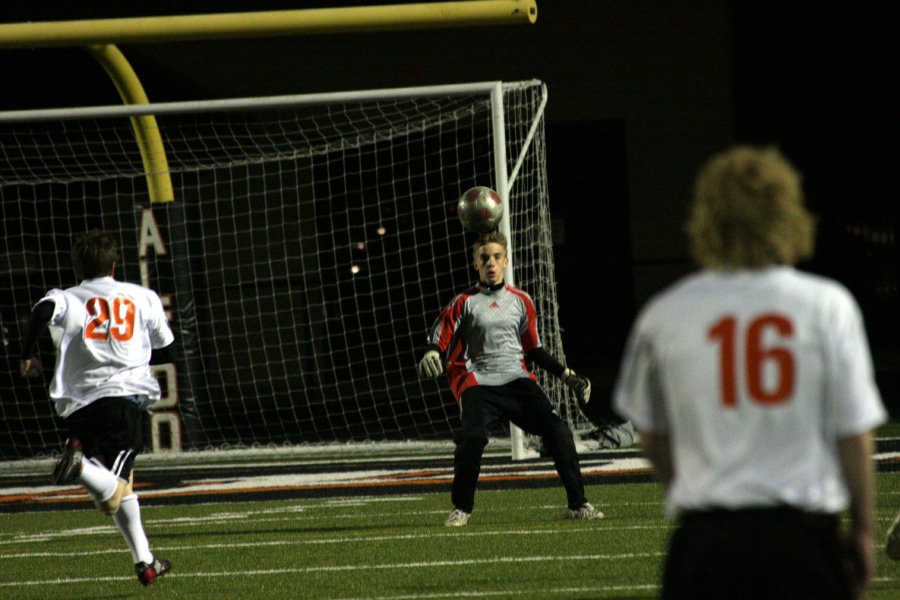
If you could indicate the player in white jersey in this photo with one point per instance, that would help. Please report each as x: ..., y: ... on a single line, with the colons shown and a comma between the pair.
x: 751, y: 387
x: 106, y: 334
x: 486, y: 333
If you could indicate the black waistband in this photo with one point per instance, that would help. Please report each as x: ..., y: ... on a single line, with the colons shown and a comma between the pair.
x: 762, y: 513
x: 131, y: 399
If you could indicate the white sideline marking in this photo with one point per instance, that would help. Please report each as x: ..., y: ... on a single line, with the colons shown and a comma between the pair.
x: 452, y: 594
x: 355, y: 567
x: 18, y: 538
x: 229, y: 483
x: 347, y: 540
x: 528, y: 592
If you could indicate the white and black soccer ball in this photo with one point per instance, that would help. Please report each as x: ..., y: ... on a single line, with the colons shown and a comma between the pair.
x: 480, y: 209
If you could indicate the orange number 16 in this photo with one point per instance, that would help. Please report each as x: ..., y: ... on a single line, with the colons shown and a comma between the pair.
x: 756, y: 355
x: 117, y: 323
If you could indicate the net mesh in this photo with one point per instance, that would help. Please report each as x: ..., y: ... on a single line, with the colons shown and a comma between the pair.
x: 307, y: 251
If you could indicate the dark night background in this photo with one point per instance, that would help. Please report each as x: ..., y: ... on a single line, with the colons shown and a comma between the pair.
x: 641, y: 92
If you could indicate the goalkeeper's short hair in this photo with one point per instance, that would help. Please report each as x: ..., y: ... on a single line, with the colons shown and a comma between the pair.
x: 493, y: 237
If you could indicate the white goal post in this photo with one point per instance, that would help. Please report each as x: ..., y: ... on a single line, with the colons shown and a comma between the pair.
x: 311, y: 243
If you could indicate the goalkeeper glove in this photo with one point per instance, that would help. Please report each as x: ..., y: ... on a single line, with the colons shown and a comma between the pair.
x: 578, y: 384
x: 430, y: 365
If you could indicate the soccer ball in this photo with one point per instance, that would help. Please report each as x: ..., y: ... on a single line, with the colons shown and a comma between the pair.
x: 480, y: 209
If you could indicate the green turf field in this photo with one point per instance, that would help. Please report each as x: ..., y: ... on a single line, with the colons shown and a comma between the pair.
x: 518, y: 545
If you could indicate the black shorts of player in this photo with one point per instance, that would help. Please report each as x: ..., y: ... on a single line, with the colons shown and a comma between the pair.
x: 111, y: 431
x: 777, y: 553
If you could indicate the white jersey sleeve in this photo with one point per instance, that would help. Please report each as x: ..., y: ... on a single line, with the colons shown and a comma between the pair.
x: 850, y: 386
x: 639, y: 378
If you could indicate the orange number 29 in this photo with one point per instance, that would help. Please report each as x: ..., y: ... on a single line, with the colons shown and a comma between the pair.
x: 117, y: 323
x: 758, y: 353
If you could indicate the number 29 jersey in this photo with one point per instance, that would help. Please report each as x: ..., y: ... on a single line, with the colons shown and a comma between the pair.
x: 104, y: 331
x: 755, y: 375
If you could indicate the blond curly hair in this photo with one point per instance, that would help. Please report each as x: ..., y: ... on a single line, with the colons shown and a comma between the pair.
x: 748, y: 211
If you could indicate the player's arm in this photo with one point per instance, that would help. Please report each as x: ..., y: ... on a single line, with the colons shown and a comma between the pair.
x: 440, y: 337
x: 431, y: 365
x: 165, y: 355
x: 859, y: 474
x: 580, y: 385
x: 535, y: 354
x: 29, y: 363
x: 657, y: 448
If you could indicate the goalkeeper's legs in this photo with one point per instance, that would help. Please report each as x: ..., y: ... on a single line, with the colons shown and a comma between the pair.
x: 466, y: 468
x: 477, y: 415
x: 538, y: 417
x: 558, y: 441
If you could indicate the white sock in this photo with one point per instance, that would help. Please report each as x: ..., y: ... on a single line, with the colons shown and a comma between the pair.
x: 100, y: 482
x: 128, y: 520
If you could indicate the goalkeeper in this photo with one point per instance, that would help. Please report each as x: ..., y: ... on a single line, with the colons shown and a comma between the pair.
x: 485, y: 334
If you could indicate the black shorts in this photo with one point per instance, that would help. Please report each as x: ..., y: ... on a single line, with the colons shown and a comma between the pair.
x: 111, y: 431
x: 774, y: 553
x: 521, y: 402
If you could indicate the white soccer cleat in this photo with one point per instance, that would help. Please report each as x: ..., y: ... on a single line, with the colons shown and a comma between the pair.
x: 892, y: 547
x: 457, y: 518
x: 585, y: 512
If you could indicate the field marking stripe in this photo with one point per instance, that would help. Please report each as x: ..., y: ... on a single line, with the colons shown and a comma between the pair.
x: 356, y: 567
x: 79, y: 496
x: 528, y: 592
x: 598, y: 468
x: 346, y: 540
x: 217, y: 518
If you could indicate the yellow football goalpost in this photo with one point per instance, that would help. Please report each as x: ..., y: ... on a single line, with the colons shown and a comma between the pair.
x: 100, y: 36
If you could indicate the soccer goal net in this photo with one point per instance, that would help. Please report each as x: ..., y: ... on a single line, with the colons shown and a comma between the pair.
x: 311, y: 243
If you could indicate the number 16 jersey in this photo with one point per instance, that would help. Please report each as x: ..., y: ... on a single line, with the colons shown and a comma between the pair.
x: 754, y: 375
x: 104, y: 331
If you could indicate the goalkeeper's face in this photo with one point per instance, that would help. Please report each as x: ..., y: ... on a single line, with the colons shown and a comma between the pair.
x: 490, y: 261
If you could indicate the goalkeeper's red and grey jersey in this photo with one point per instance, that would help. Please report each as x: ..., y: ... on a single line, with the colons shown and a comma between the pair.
x: 755, y: 375
x: 484, y: 334
x: 104, y: 331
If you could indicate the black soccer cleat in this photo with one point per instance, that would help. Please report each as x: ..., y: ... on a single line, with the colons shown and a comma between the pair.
x: 147, y: 574
x: 68, y: 467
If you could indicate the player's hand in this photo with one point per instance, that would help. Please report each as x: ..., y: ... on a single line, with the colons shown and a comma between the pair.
x: 430, y: 365
x: 581, y: 386
x: 860, y: 560
x: 30, y: 367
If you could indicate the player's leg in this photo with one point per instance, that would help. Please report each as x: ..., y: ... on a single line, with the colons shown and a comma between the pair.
x: 87, y: 426
x: 476, y: 415
x: 117, y: 438
x: 537, y: 416
x: 128, y: 520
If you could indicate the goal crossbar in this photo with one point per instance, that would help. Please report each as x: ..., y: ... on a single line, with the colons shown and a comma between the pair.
x: 239, y: 104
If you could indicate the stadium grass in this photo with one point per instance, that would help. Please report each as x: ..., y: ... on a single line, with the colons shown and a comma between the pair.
x: 518, y: 544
